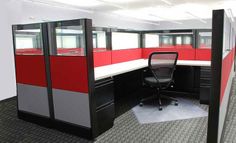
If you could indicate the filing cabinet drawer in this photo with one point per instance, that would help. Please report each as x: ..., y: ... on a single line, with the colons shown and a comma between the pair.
x: 205, y: 81
x: 205, y: 92
x: 105, y: 118
x: 104, y: 92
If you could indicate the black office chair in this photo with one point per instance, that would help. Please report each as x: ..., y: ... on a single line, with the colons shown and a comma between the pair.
x: 162, y: 66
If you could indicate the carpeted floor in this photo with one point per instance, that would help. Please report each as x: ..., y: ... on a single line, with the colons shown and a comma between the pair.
x: 126, y: 129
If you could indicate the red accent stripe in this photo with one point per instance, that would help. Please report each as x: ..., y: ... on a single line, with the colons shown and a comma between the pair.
x: 31, y: 70
x: 119, y: 56
x: 203, y: 54
x: 31, y: 51
x: 69, y: 73
x: 102, y: 58
x: 227, y: 64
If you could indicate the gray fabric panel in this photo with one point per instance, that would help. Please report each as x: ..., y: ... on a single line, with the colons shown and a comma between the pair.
x: 72, y: 107
x: 33, y: 99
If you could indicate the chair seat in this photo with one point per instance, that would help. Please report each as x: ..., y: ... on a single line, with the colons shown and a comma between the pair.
x: 153, y: 82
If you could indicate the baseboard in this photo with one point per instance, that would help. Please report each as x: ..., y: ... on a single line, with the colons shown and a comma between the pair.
x: 36, y: 119
x: 73, y: 129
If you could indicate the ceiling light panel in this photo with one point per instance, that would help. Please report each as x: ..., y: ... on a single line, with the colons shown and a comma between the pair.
x: 80, y: 3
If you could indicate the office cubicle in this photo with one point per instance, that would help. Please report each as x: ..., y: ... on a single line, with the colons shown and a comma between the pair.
x: 69, y: 98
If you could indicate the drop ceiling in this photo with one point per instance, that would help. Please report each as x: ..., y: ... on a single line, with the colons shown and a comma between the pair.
x: 152, y: 11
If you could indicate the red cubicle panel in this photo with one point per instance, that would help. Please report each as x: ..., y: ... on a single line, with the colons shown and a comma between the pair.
x: 69, y: 73
x: 31, y: 70
x: 203, y: 54
x: 184, y: 53
x: 125, y: 55
x: 102, y: 58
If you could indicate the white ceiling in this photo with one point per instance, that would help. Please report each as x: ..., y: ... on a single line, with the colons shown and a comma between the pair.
x: 151, y: 11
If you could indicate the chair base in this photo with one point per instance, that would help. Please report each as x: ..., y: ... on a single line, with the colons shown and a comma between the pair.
x: 158, y: 97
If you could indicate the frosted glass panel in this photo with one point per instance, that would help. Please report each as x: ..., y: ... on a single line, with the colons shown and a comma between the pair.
x: 151, y: 40
x: 122, y: 40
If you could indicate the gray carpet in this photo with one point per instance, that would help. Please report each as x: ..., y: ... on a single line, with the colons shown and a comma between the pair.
x: 149, y: 113
x: 126, y: 129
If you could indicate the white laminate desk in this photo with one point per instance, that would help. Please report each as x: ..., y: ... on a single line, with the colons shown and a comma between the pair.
x: 120, y: 68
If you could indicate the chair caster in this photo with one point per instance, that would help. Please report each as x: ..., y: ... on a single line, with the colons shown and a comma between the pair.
x: 160, y: 108
x: 176, y: 103
x: 141, y: 104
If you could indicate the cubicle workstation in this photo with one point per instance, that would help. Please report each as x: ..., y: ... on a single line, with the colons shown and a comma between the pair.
x: 77, y: 78
x: 194, y: 79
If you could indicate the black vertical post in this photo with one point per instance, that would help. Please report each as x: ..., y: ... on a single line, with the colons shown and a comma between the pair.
x: 140, y: 40
x: 195, y: 39
x: 52, y: 38
x: 143, y: 41
x: 87, y: 23
x: 108, y: 39
x: 47, y: 67
x: 216, y: 65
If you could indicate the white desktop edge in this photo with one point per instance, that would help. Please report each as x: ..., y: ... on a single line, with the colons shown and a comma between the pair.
x: 120, y: 68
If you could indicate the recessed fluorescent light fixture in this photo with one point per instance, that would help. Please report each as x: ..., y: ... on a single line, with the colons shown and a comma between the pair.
x: 231, y: 14
x: 198, y: 18
x: 166, y: 2
x: 81, y: 3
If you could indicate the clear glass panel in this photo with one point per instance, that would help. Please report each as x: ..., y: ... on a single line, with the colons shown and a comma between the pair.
x: 205, y: 40
x: 152, y: 41
x: 99, y: 41
x: 187, y: 40
x: 178, y: 40
x: 166, y: 40
x: 70, y: 41
x: 28, y: 42
x: 122, y: 40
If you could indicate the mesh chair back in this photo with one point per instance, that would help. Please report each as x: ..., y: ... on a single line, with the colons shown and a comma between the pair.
x: 162, y: 64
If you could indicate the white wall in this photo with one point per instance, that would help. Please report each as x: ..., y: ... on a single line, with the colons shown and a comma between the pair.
x: 7, y: 73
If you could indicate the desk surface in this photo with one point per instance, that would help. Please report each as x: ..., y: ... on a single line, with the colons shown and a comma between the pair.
x: 120, y: 68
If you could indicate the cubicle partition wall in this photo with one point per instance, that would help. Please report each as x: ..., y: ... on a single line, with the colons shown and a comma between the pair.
x: 69, y: 70
x: 203, y: 44
x: 101, y: 46
x: 31, y: 70
x: 125, y: 46
x: 55, y: 77
x: 223, y: 47
x: 121, y: 46
x: 181, y: 41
